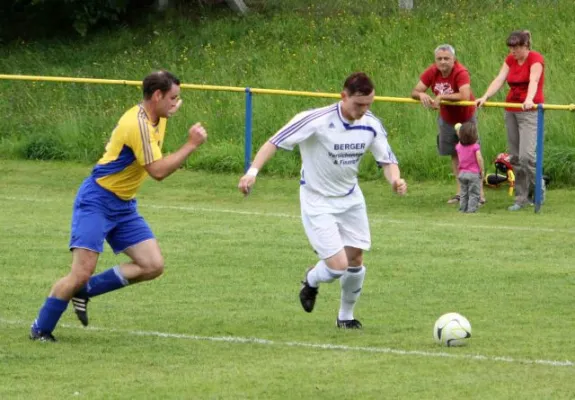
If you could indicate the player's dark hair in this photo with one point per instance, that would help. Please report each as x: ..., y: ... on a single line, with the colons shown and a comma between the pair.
x: 468, y: 133
x: 519, y: 38
x: 159, y: 80
x: 358, y: 83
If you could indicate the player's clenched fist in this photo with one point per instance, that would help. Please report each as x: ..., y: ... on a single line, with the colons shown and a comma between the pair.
x: 399, y: 186
x: 197, y: 134
x: 246, y: 184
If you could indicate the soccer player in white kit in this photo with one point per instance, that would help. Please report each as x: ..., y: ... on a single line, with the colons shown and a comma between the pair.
x: 332, y: 142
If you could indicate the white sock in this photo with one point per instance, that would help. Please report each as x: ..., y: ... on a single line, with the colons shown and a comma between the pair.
x: 351, y: 283
x: 322, y: 273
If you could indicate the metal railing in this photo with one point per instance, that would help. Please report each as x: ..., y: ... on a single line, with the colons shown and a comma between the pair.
x: 249, y: 92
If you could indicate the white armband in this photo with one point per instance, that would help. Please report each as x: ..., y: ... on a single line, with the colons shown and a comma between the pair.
x: 252, y: 172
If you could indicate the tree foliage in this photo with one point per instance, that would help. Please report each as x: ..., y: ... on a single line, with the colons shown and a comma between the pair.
x: 37, y: 18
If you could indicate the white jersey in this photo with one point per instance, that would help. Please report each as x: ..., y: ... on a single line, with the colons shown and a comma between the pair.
x: 331, y: 148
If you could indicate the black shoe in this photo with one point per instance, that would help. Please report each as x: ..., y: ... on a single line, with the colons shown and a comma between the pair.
x: 81, y: 309
x: 348, y: 324
x: 307, y: 294
x: 41, y: 336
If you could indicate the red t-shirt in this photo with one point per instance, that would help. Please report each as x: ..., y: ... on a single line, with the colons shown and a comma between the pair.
x: 459, y: 76
x: 518, y: 79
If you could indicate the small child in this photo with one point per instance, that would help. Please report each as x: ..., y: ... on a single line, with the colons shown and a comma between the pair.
x: 470, y: 167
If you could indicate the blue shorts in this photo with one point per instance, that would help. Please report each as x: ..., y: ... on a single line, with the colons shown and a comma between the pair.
x: 99, y: 214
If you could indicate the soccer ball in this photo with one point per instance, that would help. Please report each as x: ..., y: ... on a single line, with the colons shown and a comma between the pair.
x: 452, y: 329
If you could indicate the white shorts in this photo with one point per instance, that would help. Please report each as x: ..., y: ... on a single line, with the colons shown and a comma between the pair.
x: 329, y: 232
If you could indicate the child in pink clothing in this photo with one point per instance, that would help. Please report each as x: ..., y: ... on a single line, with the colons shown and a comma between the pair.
x: 470, y: 167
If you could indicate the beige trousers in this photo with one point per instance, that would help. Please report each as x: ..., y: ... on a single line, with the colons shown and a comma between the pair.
x: 522, y: 143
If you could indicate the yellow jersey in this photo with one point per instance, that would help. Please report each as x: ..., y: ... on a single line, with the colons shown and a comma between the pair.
x: 135, y: 142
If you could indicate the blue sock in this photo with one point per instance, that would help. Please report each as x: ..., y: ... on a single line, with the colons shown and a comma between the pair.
x: 50, y: 314
x: 105, y: 282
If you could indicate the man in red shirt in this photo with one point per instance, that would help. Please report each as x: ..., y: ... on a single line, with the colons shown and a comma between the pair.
x: 448, y: 80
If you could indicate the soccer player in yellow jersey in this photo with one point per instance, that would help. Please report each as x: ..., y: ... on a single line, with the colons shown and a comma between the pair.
x: 105, y: 207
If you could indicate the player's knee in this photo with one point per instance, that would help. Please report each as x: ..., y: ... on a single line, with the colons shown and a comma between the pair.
x: 356, y: 260
x: 354, y: 256
x: 156, y: 271
x: 338, y: 265
x: 338, y: 262
x: 80, y: 277
x: 81, y: 272
x: 154, y: 267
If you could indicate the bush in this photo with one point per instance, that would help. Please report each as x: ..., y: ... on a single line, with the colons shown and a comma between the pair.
x: 40, y: 18
x: 45, y: 148
x: 31, y: 19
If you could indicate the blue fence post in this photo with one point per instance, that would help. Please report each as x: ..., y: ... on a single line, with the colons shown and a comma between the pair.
x: 248, y: 131
x: 539, y: 159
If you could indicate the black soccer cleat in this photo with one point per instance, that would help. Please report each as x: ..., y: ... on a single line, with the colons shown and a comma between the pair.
x: 307, y: 294
x: 41, y: 336
x: 81, y: 309
x: 348, y: 324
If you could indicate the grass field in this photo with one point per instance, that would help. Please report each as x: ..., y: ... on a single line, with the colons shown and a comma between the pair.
x: 224, y: 322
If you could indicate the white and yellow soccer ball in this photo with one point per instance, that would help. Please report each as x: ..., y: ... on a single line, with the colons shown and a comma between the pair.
x: 452, y: 329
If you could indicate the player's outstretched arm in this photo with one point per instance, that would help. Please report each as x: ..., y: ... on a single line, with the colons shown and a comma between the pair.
x: 393, y: 176
x: 166, y: 166
x: 249, y: 179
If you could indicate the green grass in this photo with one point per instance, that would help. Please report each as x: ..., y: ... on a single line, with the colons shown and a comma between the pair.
x: 299, y: 45
x: 233, y: 271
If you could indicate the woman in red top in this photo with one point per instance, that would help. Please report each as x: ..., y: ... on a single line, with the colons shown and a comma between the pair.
x: 523, y: 71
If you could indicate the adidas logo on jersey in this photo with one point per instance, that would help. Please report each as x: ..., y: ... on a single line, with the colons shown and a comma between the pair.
x: 331, y: 125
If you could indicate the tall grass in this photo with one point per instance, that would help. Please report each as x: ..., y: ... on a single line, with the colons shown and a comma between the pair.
x: 299, y: 45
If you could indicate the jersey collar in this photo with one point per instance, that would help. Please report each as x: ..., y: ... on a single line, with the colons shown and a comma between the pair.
x: 343, y: 120
x: 147, y: 115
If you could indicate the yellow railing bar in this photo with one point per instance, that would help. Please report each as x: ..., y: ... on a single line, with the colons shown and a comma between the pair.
x: 567, y: 107
x: 67, y: 79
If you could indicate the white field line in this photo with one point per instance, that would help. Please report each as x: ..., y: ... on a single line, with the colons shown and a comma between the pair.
x: 419, y: 222
x: 315, y: 346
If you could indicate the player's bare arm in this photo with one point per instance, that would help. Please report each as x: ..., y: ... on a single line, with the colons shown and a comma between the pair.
x: 166, y: 166
x: 247, y: 181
